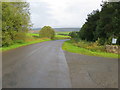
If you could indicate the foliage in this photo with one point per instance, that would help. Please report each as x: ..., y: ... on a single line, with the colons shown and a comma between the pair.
x: 73, y: 34
x: 48, y: 32
x: 93, y: 46
x: 15, y: 22
x: 108, y: 24
x: 102, y: 25
x: 16, y: 45
x: 87, y: 31
x: 69, y: 46
x: 0, y: 23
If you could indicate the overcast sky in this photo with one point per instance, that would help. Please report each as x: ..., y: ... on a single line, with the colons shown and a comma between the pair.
x: 61, y: 13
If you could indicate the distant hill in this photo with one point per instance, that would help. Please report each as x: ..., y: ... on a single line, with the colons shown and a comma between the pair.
x: 62, y: 29
x: 36, y: 28
x: 66, y: 29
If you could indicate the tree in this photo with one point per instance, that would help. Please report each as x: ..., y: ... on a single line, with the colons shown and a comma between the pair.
x: 102, y: 25
x: 15, y: 20
x: 0, y: 24
x: 47, y: 32
x: 73, y: 34
x: 88, y: 29
x: 108, y: 24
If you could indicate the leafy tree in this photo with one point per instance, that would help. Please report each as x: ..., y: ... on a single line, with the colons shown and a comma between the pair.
x: 47, y: 31
x: 73, y: 34
x: 15, y: 19
x: 108, y: 24
x: 0, y: 24
x: 87, y: 31
x: 102, y: 25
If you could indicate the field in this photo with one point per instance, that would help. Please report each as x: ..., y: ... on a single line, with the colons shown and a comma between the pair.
x: 59, y: 35
x: 34, y: 34
x: 62, y: 33
x: 69, y: 46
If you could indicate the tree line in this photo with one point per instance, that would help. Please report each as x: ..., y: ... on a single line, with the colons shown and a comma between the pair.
x: 102, y: 25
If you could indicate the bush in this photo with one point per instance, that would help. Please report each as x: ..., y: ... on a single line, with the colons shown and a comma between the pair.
x: 73, y: 34
x: 93, y: 46
x: 6, y: 39
x: 15, y: 22
x: 47, y: 32
x: 20, y: 37
x: 118, y: 41
x: 101, y: 41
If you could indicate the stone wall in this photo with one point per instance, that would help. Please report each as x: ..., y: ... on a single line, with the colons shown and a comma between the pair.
x: 112, y: 48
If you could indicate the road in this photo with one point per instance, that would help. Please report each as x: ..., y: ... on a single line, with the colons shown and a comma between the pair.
x: 41, y: 65
x: 46, y: 65
x: 92, y: 72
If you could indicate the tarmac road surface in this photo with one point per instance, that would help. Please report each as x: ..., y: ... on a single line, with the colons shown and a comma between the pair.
x: 46, y: 65
x: 41, y: 65
x: 91, y: 71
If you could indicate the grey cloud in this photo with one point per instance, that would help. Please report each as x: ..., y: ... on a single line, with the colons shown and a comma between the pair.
x: 74, y: 14
x: 40, y: 15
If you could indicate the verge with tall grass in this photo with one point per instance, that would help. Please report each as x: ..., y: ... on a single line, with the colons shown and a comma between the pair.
x: 87, y: 48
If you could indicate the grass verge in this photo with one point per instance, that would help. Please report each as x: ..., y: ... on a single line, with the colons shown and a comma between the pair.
x: 68, y: 46
x: 23, y: 44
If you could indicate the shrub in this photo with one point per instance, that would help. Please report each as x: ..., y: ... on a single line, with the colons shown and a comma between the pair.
x: 6, y: 39
x: 20, y: 37
x: 93, y: 46
x: 73, y: 34
x: 47, y: 32
x: 15, y: 18
x: 101, y: 41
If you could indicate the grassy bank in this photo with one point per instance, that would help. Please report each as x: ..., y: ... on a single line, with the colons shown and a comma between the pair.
x: 70, y: 47
x: 16, y: 45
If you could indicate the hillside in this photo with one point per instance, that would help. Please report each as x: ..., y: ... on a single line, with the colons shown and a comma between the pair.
x: 62, y: 29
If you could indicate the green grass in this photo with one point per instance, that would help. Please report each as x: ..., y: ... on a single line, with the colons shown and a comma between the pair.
x: 31, y: 39
x: 56, y: 36
x: 23, y: 44
x: 65, y: 33
x: 68, y: 46
x: 59, y: 36
x: 33, y: 34
x: 62, y: 35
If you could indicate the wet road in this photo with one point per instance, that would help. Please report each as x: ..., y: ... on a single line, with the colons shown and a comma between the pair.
x: 91, y: 71
x: 45, y: 65
x: 41, y: 65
